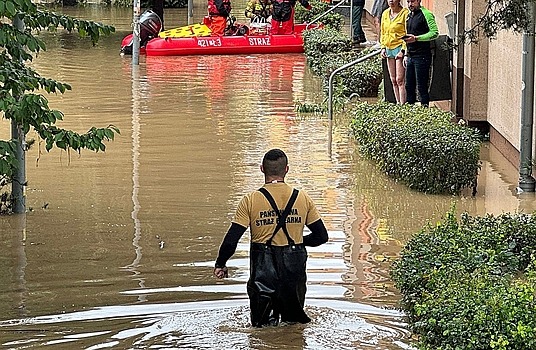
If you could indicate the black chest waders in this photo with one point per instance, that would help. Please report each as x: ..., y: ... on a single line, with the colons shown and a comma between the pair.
x: 277, y: 284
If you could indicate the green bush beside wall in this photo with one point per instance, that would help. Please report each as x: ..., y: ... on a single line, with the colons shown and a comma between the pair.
x: 419, y: 146
x: 471, y: 284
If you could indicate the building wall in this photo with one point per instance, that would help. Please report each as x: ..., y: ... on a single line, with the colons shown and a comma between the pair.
x: 476, y: 68
x: 504, y: 88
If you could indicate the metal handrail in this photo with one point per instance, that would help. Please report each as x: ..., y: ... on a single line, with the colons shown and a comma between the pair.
x: 325, y: 13
x: 330, y: 91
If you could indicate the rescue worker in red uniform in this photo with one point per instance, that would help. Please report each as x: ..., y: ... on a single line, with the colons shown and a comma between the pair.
x: 283, y: 15
x: 276, y: 215
x: 218, y: 11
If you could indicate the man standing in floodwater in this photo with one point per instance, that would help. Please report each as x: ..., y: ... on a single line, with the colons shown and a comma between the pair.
x: 276, y: 215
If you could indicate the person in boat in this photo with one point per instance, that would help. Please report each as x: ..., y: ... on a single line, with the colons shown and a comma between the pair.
x: 218, y: 11
x: 283, y: 15
x: 258, y: 9
x: 276, y: 215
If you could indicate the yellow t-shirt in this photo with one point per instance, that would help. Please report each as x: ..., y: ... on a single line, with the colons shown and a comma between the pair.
x: 255, y: 211
x: 392, y: 30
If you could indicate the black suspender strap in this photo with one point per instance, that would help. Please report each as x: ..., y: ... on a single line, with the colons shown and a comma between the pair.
x: 282, y: 216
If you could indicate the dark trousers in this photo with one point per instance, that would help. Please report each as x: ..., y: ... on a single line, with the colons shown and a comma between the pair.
x: 418, y: 78
x: 277, y: 284
x: 357, y: 31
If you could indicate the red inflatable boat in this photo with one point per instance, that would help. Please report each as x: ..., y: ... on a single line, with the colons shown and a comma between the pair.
x: 219, y: 45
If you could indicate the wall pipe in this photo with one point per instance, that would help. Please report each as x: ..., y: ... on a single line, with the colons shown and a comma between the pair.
x: 526, y: 181
x: 459, y: 74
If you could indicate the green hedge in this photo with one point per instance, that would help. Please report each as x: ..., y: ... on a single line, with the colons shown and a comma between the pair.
x: 471, y: 284
x: 419, y: 146
x: 331, y: 20
x: 317, y: 43
x: 329, y: 49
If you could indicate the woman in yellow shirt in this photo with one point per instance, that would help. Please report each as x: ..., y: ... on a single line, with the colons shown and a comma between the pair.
x: 393, y: 29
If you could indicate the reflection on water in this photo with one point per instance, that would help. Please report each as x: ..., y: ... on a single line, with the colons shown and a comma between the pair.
x: 118, y: 249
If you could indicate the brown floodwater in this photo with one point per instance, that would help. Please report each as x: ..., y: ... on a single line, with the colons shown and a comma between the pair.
x: 117, y: 248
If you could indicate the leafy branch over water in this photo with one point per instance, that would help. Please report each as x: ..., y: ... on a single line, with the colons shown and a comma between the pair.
x: 21, y: 87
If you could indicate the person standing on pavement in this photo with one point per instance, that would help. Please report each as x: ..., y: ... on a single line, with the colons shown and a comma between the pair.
x: 421, y: 28
x: 276, y: 215
x: 378, y: 8
x: 393, y: 29
x: 358, y: 35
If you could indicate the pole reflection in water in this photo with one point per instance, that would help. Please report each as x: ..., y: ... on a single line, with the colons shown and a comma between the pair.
x: 20, y: 270
x: 136, y: 92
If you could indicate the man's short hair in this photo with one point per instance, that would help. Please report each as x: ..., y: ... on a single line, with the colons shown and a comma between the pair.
x: 275, y: 163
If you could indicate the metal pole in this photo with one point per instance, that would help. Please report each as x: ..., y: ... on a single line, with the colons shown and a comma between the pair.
x: 330, y: 91
x: 459, y: 74
x: 526, y: 181
x: 19, y: 177
x: 136, y: 34
x: 352, y: 20
x: 190, y: 12
x: 17, y: 135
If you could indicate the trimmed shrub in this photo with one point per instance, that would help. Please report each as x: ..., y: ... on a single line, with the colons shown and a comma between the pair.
x: 471, y: 284
x: 328, y: 49
x: 318, y: 43
x: 331, y: 20
x: 361, y: 79
x: 419, y: 146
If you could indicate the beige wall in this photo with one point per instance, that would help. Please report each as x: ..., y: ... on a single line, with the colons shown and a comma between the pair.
x: 504, y: 88
x: 476, y: 68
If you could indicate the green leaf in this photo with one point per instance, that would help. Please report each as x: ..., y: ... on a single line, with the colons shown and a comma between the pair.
x: 59, y: 136
x: 10, y: 8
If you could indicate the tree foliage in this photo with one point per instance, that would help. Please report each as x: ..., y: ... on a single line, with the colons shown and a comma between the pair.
x: 514, y: 15
x: 21, y: 87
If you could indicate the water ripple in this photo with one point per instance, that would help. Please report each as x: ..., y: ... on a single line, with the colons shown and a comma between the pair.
x: 210, y: 325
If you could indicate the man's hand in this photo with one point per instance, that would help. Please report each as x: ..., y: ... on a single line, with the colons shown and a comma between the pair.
x: 410, y: 38
x: 221, y: 272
